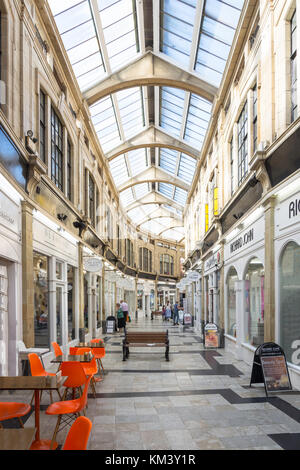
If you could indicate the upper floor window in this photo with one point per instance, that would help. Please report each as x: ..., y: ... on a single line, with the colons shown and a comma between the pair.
x: 243, y: 144
x: 293, y: 60
x: 91, y: 200
x: 56, y: 150
x: 42, y: 126
x: 254, y: 119
x: 129, y: 252
x: 231, y: 167
x: 145, y: 259
x: 69, y: 170
x: 167, y: 264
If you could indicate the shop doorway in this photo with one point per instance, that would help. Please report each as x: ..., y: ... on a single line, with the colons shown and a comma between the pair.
x: 3, y: 315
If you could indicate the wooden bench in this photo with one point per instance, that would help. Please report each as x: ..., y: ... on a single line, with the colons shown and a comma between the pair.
x: 155, y: 313
x: 146, y: 339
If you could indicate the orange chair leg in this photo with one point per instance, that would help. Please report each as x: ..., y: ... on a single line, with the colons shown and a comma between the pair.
x: 55, y: 431
x: 21, y: 422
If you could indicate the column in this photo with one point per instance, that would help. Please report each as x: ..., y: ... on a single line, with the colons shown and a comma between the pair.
x: 27, y: 275
x: 221, y: 299
x: 81, y: 293
x: 269, y: 282
x: 103, y: 316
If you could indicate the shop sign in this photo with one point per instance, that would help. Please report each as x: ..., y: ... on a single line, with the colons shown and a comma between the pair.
x: 242, y: 241
x: 289, y: 212
x: 9, y: 212
x: 194, y: 276
x: 213, y: 261
x: 187, y: 319
x: 92, y: 264
x: 211, y: 335
x: 270, y: 368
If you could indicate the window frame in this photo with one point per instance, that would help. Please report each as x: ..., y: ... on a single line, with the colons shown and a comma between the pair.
x: 57, y: 151
x: 242, y: 123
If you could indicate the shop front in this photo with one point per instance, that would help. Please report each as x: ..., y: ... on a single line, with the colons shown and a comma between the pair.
x: 211, y: 275
x: 287, y: 276
x: 10, y: 277
x: 55, y: 284
x: 244, y: 275
x: 93, y: 299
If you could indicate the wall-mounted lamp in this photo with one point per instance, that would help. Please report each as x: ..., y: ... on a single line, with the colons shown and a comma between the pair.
x: 62, y: 216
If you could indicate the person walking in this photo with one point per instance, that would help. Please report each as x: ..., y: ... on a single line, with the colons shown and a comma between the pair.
x: 124, y: 307
x: 120, y: 317
x: 168, y: 312
x: 164, y: 313
x: 176, y: 313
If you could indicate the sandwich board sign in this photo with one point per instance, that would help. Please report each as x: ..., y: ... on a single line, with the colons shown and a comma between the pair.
x: 270, y: 368
x: 211, y: 335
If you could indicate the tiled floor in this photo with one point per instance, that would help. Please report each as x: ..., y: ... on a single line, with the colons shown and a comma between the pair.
x: 198, y: 400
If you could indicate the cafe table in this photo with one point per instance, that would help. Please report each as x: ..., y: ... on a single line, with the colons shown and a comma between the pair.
x: 37, y: 384
x: 86, y: 357
x: 16, y: 439
x: 94, y: 346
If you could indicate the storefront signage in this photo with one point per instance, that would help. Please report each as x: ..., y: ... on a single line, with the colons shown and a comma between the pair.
x: 8, y: 212
x: 187, y: 319
x: 242, y: 241
x: 213, y: 261
x: 194, y: 276
x: 211, y: 335
x: 269, y: 367
x: 92, y: 264
x: 294, y: 208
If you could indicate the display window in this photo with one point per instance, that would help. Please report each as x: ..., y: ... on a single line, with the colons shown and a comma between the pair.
x: 231, y: 302
x: 41, y: 302
x: 289, y: 292
x: 254, y: 302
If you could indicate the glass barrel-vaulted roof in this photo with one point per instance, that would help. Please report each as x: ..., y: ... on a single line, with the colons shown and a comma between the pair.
x: 101, y: 37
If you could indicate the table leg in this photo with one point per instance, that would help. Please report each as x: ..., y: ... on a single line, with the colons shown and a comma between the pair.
x: 39, y: 444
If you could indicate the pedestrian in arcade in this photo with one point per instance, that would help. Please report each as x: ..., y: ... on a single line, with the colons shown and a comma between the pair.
x: 124, y: 307
x: 120, y: 317
x: 168, y: 312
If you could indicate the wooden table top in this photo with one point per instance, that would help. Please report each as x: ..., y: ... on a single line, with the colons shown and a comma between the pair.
x: 16, y: 439
x: 90, y: 345
x: 86, y: 357
x: 27, y: 382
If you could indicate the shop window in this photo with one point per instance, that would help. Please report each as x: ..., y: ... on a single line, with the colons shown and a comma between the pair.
x: 92, y: 200
x: 71, y: 302
x: 41, y: 312
x: 231, y: 302
x: 56, y: 150
x: 254, y: 302
x: 289, y: 279
x: 243, y: 144
x: 59, y: 270
x: 293, y: 65
x: 59, y: 313
x: 98, y: 300
x: 86, y: 307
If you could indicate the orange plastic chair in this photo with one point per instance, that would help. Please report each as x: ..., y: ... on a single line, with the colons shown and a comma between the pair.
x: 78, y: 435
x: 68, y: 407
x: 37, y: 370
x: 99, y: 353
x: 57, y: 350
x: 75, y: 374
x: 9, y: 410
x: 90, y: 368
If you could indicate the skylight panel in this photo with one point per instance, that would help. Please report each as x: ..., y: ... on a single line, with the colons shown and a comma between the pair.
x: 77, y: 29
x: 186, y: 169
x: 168, y: 160
x: 136, y: 214
x: 171, y: 109
x: 119, y: 24
x: 198, y: 117
x: 106, y: 126
x: 138, y: 161
x: 180, y: 196
x: 130, y: 102
x: 174, y: 234
x: 166, y: 189
x: 126, y: 197
x: 176, y: 32
x: 119, y: 170
x: 141, y: 190
x: 219, y: 22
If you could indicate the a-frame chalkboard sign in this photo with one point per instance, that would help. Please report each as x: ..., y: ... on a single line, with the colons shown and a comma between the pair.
x: 270, y: 368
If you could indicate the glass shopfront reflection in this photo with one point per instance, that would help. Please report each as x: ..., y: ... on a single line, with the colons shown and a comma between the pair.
x: 231, y: 302
x: 41, y: 303
x: 71, y: 302
x: 254, y: 292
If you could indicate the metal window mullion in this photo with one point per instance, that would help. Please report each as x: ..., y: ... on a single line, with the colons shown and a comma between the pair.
x: 100, y: 35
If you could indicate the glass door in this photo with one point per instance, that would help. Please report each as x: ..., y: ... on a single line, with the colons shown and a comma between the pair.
x: 59, y: 313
